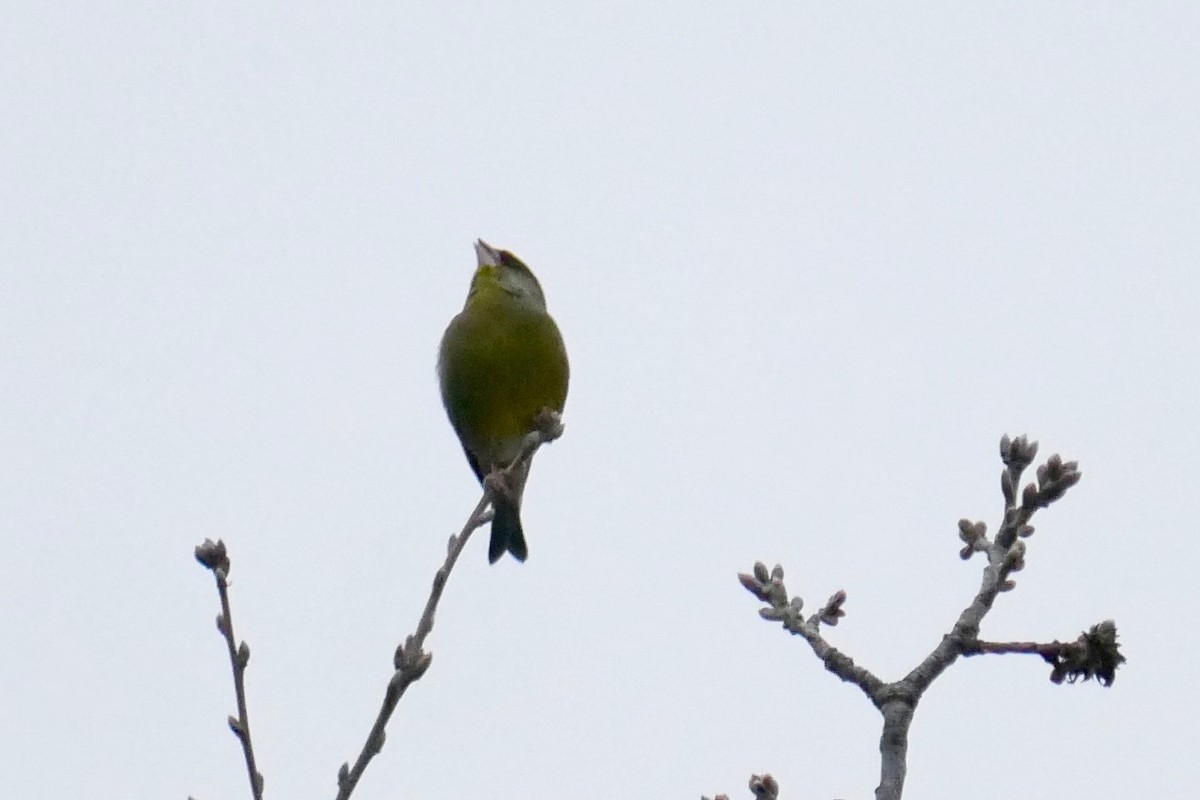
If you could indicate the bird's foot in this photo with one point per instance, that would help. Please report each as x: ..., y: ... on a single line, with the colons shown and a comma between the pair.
x: 499, y: 482
x: 548, y: 424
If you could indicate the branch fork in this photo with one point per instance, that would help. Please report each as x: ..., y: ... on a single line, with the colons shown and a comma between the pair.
x: 1095, y: 654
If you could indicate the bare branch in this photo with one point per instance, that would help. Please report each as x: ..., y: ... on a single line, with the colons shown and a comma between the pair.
x: 772, y: 591
x: 215, y: 558
x: 410, y: 660
x: 1005, y: 554
x: 1094, y: 654
x: 893, y: 746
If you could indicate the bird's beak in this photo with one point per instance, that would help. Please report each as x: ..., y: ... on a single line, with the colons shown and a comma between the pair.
x: 486, y: 255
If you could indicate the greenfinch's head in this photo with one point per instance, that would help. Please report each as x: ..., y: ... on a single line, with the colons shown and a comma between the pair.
x: 500, y: 270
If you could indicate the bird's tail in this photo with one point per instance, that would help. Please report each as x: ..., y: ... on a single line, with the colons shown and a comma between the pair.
x: 506, y: 532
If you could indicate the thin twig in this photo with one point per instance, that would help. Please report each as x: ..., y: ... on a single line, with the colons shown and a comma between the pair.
x: 213, y: 556
x: 1045, y: 650
x: 1095, y: 654
x: 411, y: 660
x: 769, y: 587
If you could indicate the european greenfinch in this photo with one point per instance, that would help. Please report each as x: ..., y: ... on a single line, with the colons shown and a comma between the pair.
x: 500, y: 364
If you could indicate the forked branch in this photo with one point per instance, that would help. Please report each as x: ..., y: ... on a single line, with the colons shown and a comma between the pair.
x: 1095, y: 654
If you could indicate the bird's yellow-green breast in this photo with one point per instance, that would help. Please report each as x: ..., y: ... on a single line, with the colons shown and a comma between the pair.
x: 501, y: 362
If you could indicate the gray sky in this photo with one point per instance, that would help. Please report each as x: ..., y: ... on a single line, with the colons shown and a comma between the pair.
x: 810, y: 262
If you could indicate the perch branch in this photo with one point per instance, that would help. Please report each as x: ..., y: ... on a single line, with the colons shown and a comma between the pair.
x: 411, y: 660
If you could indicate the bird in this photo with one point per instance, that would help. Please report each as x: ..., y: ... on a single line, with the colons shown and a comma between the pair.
x: 501, y: 363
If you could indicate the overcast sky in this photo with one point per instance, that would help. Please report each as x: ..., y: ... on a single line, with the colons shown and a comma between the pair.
x: 810, y: 262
